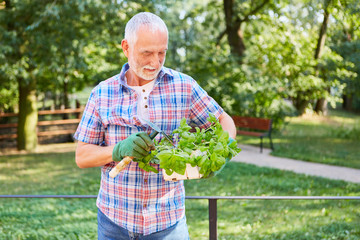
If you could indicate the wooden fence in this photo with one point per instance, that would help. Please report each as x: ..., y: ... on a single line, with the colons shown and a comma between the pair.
x: 48, y: 131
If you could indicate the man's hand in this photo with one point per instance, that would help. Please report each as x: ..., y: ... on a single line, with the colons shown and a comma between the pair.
x: 137, y: 145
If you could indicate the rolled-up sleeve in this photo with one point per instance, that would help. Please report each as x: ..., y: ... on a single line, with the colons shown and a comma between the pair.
x: 201, y: 105
x: 90, y: 129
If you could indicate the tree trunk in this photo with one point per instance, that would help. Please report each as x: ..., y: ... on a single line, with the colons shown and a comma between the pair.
x: 301, y: 105
x: 233, y: 30
x: 66, y: 95
x: 233, y: 27
x: 28, y: 116
x: 347, y: 102
x: 57, y: 100
x: 8, y: 4
x: 348, y: 97
x: 322, y: 35
x: 321, y: 104
x: 66, y: 99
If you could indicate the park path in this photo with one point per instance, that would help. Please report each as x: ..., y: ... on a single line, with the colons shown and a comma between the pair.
x: 252, y: 155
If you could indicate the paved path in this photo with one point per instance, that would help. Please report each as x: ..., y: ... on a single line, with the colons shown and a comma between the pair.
x: 252, y: 155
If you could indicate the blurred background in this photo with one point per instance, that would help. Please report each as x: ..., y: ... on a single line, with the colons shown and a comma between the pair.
x: 268, y: 59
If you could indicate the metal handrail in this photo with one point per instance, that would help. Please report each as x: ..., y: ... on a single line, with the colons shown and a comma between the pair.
x: 48, y: 196
x: 206, y: 197
x: 212, y: 203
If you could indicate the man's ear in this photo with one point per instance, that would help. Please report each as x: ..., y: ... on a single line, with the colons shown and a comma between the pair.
x: 125, y: 47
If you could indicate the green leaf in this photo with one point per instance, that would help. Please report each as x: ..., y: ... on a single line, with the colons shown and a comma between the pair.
x: 164, y: 155
x: 218, y: 148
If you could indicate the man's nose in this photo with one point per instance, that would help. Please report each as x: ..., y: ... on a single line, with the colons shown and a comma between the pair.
x: 156, y: 61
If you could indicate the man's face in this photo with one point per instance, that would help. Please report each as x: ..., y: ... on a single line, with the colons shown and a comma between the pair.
x: 147, y: 55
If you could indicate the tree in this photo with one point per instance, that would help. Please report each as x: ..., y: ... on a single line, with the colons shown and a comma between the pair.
x: 235, y: 17
x: 59, y: 46
x: 241, y: 89
x: 19, y: 66
x: 321, y: 104
x: 43, y: 46
x: 345, y: 42
x: 281, y: 59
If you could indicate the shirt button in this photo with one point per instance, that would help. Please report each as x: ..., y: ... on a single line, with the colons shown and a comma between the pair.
x: 145, y: 98
x: 145, y: 205
x: 143, y: 90
x: 145, y: 180
x: 146, y: 106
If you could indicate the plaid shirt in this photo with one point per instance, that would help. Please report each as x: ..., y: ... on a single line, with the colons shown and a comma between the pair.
x: 137, y: 200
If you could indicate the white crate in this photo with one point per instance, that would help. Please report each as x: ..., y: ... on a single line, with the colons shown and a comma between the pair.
x: 190, y: 173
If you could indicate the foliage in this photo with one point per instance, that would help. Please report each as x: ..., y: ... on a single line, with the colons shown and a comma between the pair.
x: 46, y: 47
x: 9, y: 97
x: 42, y: 49
x: 335, y: 70
x: 245, y: 89
x: 278, y: 64
x: 207, y: 148
x: 344, y: 41
x: 279, y: 61
x: 57, y: 173
x: 62, y: 44
x: 350, y: 52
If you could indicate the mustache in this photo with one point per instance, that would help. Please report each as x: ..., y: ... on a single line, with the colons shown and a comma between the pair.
x: 149, y: 67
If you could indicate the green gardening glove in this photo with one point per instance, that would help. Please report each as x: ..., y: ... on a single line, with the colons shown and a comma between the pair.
x: 137, y: 145
x: 212, y: 174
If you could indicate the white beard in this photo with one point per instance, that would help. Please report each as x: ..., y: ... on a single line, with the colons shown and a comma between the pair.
x: 148, y: 76
x: 140, y: 71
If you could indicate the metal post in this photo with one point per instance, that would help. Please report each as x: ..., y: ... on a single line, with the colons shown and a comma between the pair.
x: 213, y: 219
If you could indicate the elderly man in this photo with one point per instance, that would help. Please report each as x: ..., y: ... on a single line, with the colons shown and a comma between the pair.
x: 137, y: 204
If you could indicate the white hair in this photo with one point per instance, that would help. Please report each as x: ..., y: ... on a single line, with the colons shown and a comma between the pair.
x: 150, y: 20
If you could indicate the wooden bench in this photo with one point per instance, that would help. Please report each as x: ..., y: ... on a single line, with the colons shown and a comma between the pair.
x: 257, y: 127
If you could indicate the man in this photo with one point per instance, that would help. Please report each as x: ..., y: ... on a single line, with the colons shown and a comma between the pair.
x: 138, y: 204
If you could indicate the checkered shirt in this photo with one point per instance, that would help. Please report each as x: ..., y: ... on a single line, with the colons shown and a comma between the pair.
x: 139, y: 201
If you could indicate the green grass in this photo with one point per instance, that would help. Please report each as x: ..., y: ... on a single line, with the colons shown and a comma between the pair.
x: 47, y: 173
x: 334, y: 139
x: 274, y: 219
x: 51, y: 173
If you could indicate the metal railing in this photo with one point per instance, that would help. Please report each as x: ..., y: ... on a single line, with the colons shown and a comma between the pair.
x: 212, y: 203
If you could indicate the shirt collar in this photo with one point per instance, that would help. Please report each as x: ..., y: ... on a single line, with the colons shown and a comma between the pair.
x: 164, y: 71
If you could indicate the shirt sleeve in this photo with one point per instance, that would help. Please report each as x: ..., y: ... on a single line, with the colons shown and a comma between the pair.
x: 201, y: 105
x: 90, y: 129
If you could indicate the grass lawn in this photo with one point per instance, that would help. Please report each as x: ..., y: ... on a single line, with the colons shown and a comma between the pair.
x: 56, y: 173
x: 334, y: 139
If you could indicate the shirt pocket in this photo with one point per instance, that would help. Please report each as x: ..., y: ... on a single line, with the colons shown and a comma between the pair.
x: 118, y: 114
